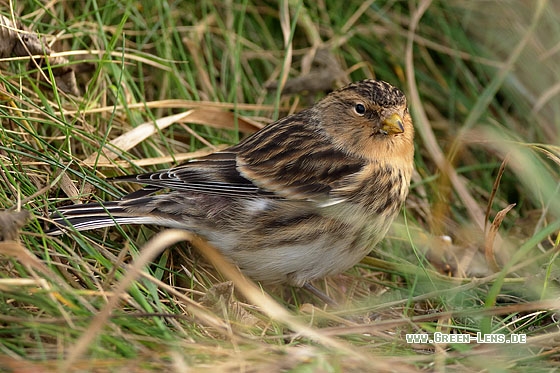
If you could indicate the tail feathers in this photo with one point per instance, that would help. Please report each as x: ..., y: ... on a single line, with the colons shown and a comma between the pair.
x: 92, y: 216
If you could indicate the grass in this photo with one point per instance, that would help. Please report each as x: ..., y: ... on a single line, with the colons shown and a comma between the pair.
x: 481, y: 79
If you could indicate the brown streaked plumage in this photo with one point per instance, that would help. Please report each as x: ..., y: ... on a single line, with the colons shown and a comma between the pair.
x: 305, y: 197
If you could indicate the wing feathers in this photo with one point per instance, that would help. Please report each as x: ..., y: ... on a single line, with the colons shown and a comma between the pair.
x: 289, y: 160
x: 90, y: 216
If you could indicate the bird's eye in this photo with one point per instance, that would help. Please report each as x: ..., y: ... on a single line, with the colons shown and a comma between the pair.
x: 360, y: 109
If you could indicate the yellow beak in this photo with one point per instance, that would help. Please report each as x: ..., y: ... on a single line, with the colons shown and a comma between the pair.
x: 392, y: 125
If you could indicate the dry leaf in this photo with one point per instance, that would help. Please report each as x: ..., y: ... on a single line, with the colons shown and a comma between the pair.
x: 222, y: 119
x: 16, y: 40
x: 11, y: 222
x: 491, y: 236
x: 133, y: 137
x: 213, y: 118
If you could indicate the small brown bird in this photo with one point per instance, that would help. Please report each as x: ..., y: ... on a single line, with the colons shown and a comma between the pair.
x: 305, y: 197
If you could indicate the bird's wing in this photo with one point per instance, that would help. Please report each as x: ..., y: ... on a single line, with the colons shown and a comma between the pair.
x: 289, y: 159
x: 214, y: 174
x: 295, y: 160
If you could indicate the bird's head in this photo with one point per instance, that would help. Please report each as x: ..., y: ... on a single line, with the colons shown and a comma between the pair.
x: 369, y: 119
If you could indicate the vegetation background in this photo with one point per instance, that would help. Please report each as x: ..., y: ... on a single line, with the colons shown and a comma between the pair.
x: 475, y: 250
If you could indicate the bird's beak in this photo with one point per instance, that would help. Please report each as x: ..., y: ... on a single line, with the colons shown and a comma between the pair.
x: 392, y: 125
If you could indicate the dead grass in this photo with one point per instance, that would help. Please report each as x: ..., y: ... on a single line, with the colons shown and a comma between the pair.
x: 160, y: 82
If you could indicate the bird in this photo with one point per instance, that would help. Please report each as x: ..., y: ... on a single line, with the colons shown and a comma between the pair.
x: 306, y: 197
